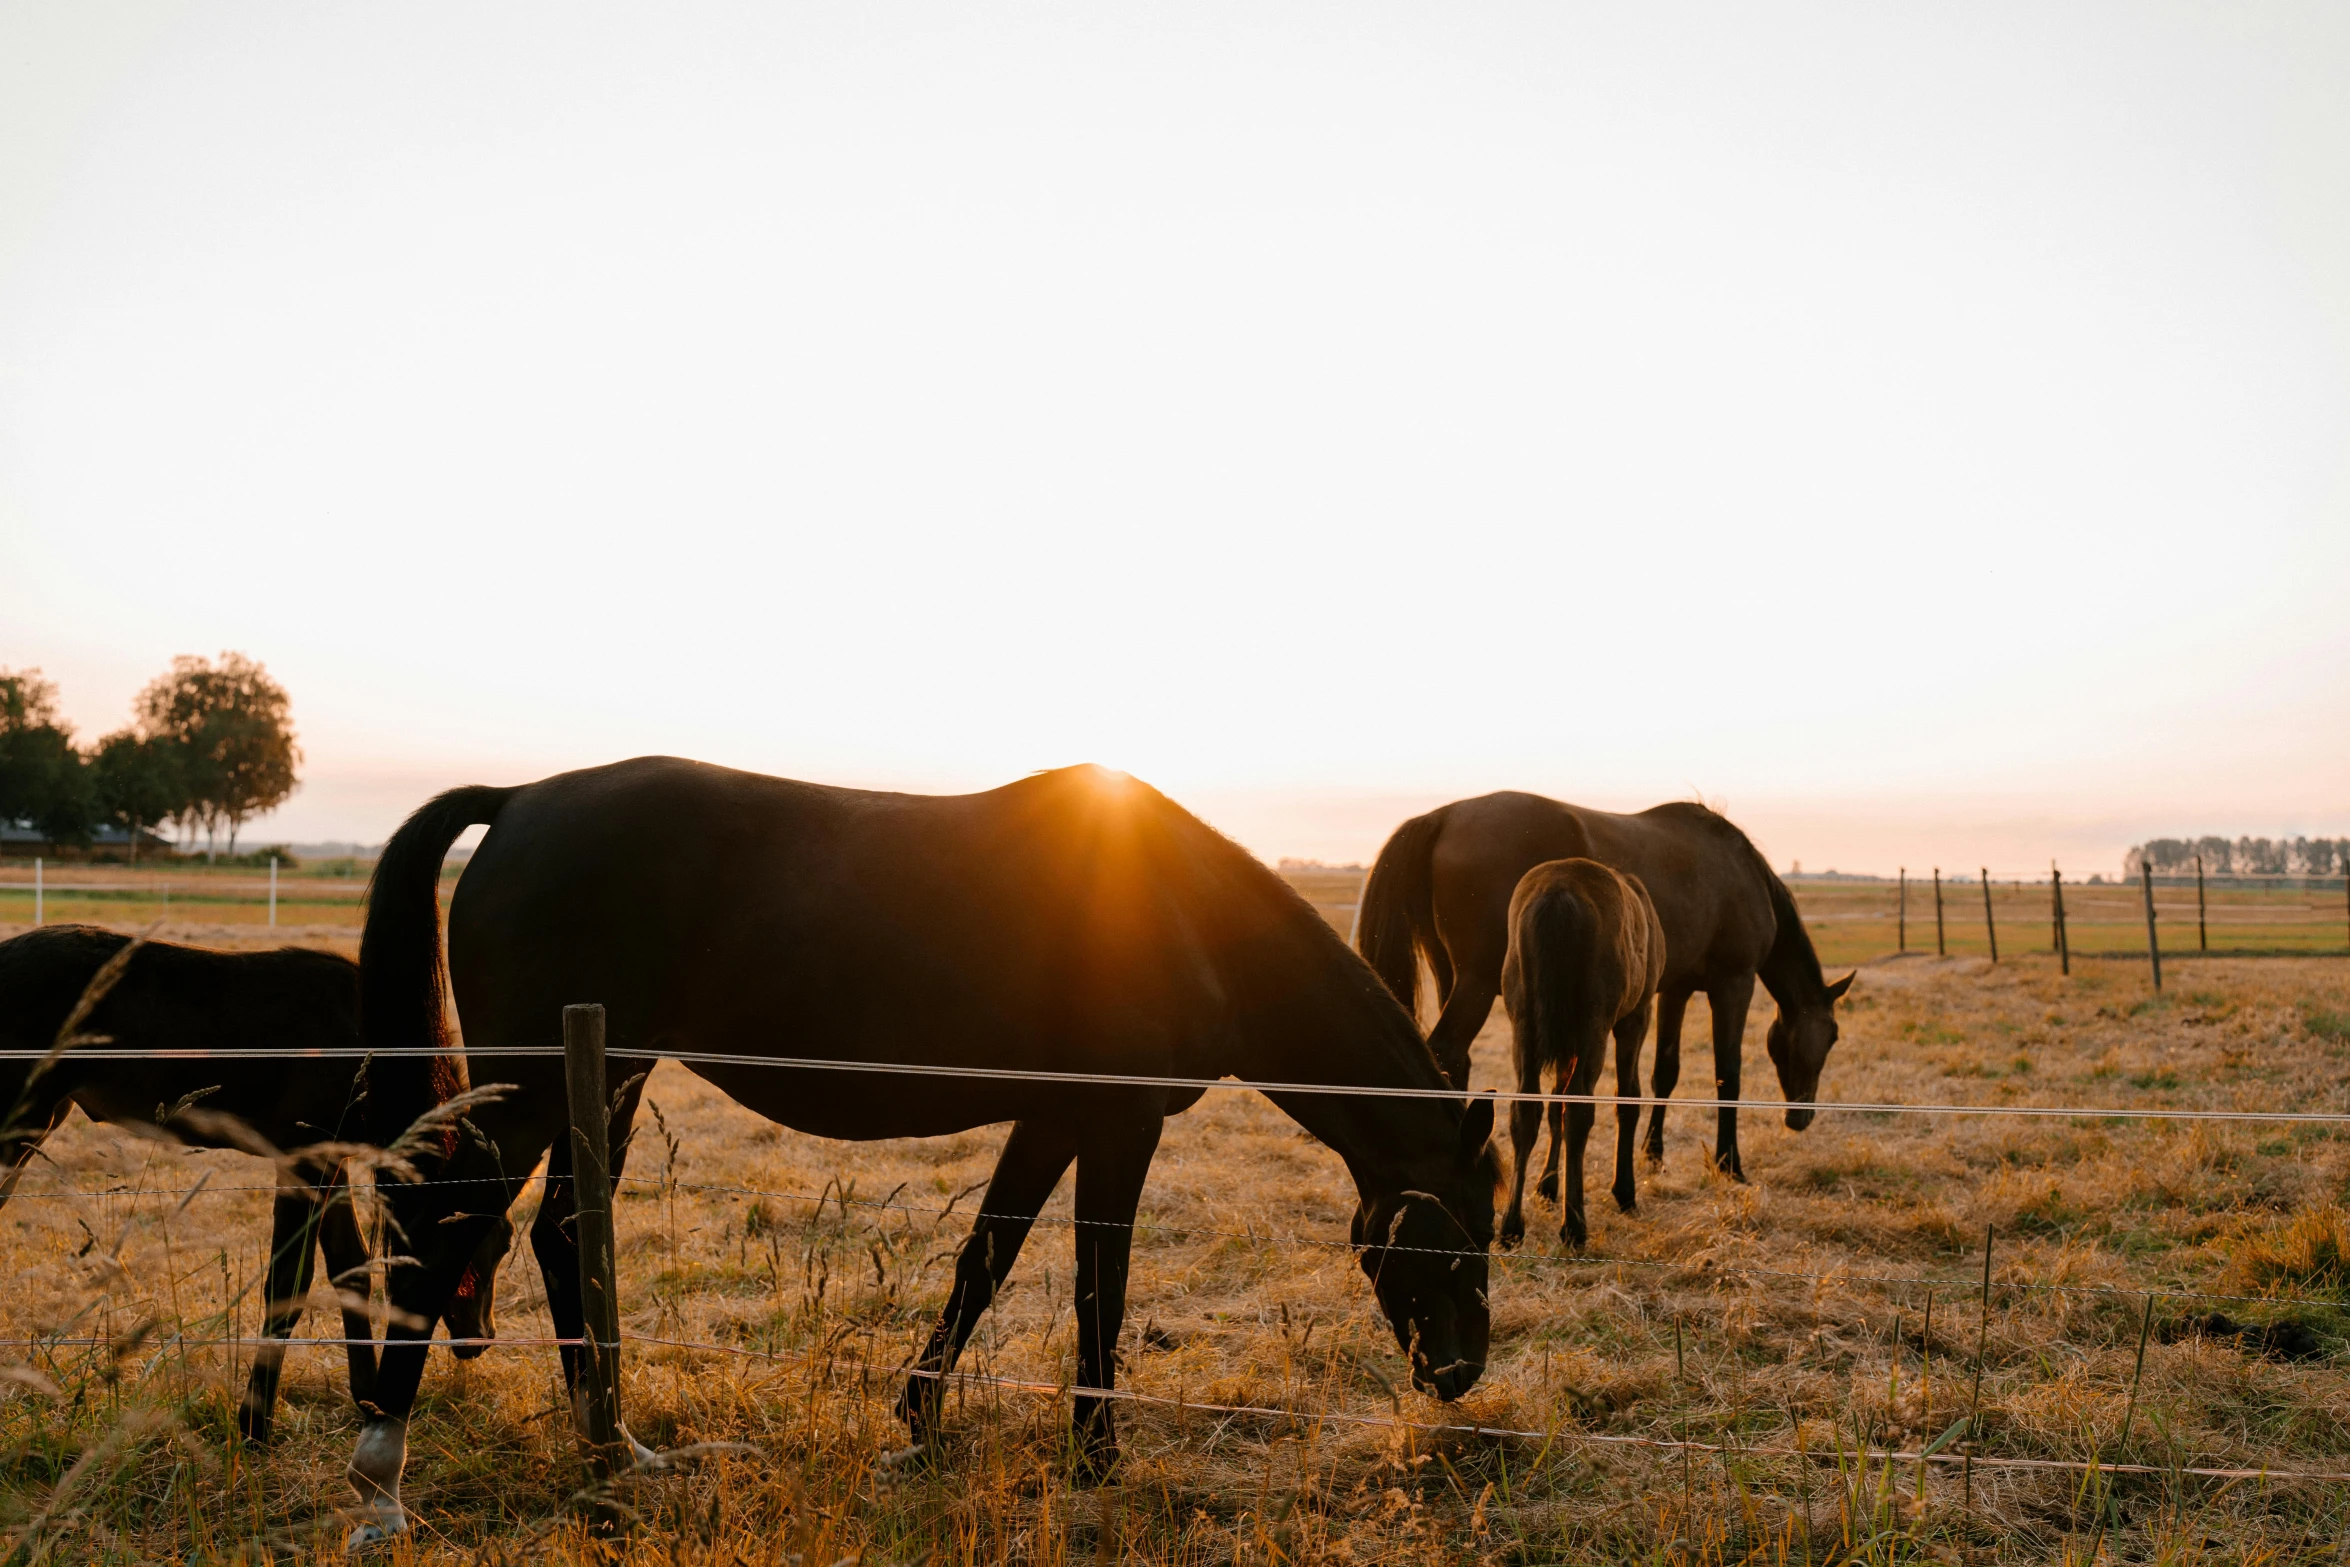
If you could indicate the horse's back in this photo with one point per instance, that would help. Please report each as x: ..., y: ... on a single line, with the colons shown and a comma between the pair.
x: 1699, y: 872
x: 287, y: 999
x: 713, y: 910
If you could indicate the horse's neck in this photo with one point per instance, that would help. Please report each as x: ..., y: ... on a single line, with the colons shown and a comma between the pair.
x: 1389, y: 1144
x: 1791, y: 969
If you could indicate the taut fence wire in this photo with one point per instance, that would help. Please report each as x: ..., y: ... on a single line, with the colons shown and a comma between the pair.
x: 1156, y: 1080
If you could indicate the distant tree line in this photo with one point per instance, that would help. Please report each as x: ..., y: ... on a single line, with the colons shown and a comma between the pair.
x: 2242, y: 856
x: 210, y: 745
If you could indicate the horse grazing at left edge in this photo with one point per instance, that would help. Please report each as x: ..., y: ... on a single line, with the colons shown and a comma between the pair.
x: 292, y: 1109
x: 1075, y: 921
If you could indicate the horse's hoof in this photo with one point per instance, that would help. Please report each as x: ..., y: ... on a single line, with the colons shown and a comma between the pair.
x: 379, y: 1527
x: 1547, y: 1188
x: 1511, y: 1235
x: 1627, y: 1204
x: 1094, y: 1465
x: 254, y: 1425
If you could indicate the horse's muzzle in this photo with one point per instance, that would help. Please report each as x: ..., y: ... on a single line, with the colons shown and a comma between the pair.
x: 1449, y: 1382
x: 1798, y: 1117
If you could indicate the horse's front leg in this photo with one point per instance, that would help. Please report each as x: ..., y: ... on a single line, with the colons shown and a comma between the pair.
x: 293, y: 1232
x: 417, y: 1292
x: 1666, y: 1074
x: 1729, y: 1002
x: 347, y: 1273
x: 1111, y: 1169
x: 1034, y: 1158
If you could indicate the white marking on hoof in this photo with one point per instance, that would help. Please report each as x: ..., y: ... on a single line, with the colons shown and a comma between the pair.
x: 376, y: 1531
x: 376, y: 1463
x: 902, y: 1461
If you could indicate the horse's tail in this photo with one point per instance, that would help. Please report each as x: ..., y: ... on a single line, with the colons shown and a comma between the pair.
x: 1398, y: 914
x: 402, y: 993
x: 1555, y: 930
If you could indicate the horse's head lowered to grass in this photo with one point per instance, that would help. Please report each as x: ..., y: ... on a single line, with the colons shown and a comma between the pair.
x: 1799, y: 1041
x: 1425, y: 1256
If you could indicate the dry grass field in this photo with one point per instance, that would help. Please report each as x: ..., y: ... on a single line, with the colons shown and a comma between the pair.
x: 1765, y: 1320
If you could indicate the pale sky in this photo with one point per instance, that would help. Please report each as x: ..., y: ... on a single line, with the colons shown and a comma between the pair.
x: 1921, y: 430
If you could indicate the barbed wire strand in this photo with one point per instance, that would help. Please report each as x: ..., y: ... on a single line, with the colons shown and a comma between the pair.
x: 1269, y: 1238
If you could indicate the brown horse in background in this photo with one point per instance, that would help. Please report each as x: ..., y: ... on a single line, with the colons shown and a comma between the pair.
x: 296, y: 1111
x: 1441, y: 889
x: 1586, y: 952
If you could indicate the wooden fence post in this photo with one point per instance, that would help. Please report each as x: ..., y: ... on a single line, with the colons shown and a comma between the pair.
x: 1941, y: 947
x: 1990, y: 927
x: 591, y: 1167
x: 2153, y: 946
x: 1901, y: 918
x: 2064, y: 946
x: 37, y: 889
x: 2202, y: 927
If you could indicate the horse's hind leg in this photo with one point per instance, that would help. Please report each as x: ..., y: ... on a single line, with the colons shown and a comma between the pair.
x: 1629, y: 1032
x: 19, y: 1150
x: 1666, y: 1074
x: 554, y: 1239
x: 1465, y: 1012
x: 1548, y: 1186
x: 1525, y: 1131
x: 292, y: 1240
x: 1026, y: 1172
x: 1576, y: 1229
x: 1110, y: 1172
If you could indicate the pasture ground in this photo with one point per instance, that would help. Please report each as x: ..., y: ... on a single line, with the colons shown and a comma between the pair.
x: 1242, y: 1298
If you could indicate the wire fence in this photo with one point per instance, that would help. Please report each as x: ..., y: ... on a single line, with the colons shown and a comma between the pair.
x: 1950, y: 1450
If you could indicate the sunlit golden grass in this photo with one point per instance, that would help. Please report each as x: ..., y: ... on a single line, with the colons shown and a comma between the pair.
x: 1243, y: 1296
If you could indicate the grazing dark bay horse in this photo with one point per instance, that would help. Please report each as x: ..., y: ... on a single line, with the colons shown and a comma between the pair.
x: 1586, y: 952
x: 1441, y: 888
x: 1075, y: 921
x: 293, y: 1111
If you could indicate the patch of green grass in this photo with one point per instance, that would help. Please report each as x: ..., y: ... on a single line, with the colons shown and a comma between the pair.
x: 2325, y: 1023
x: 2160, y: 1077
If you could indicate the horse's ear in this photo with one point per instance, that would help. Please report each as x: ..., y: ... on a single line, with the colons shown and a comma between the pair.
x: 1477, y: 1126
x: 1836, y: 991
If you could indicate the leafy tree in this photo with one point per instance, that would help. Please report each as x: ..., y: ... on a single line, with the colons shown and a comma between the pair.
x: 43, y: 783
x: 2219, y: 855
x: 230, y: 727
x: 138, y: 781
